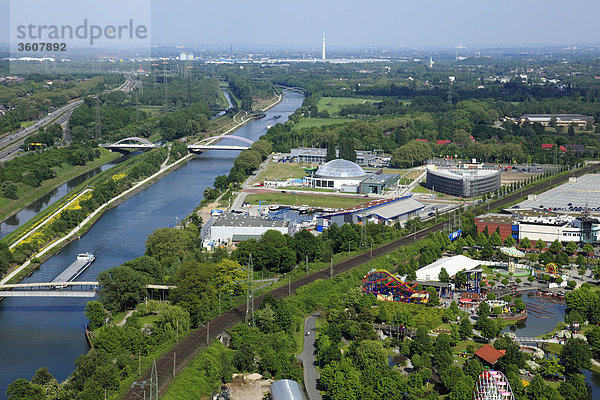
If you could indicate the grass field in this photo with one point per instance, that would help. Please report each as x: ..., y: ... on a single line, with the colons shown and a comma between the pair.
x: 294, y: 199
x: 27, y: 124
x: 279, y: 171
x: 334, y: 104
x: 318, y: 122
x: 152, y: 110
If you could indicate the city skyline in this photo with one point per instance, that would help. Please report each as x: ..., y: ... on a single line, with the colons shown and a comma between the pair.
x: 353, y: 25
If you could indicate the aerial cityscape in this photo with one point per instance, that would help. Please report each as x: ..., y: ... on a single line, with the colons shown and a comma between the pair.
x: 267, y: 200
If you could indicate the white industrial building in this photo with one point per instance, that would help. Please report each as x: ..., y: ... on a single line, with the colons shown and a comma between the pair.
x: 234, y: 228
x: 452, y: 265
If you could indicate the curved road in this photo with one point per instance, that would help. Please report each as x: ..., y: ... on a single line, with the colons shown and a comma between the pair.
x: 189, y: 347
x: 308, y: 357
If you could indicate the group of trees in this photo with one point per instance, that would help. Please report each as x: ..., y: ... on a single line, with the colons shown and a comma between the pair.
x: 23, y: 173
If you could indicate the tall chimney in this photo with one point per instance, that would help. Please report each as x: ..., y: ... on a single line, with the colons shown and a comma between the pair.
x: 323, y: 53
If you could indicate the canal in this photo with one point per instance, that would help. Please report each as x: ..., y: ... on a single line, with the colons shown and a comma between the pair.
x: 36, y: 332
x: 17, y: 220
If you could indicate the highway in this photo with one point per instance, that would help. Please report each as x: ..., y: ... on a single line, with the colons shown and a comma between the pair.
x: 11, y: 143
x: 308, y: 357
x: 190, y: 346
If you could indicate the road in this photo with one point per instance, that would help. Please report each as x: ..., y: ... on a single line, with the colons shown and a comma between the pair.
x: 189, y: 347
x: 11, y: 143
x: 14, y: 141
x: 308, y: 357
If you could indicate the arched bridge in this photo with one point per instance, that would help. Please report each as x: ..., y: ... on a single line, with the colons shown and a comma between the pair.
x: 130, y: 144
x: 207, y: 144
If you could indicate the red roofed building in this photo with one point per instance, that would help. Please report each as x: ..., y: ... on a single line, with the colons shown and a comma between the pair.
x: 442, y: 142
x: 547, y: 146
x: 563, y: 148
x: 421, y: 140
x: 472, y: 138
x: 489, y: 355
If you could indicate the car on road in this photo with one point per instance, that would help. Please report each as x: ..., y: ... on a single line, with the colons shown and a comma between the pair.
x: 307, y: 333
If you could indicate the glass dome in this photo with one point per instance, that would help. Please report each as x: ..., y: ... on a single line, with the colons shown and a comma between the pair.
x: 340, y: 169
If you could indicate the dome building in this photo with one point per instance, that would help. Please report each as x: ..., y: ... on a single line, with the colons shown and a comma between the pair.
x: 342, y: 175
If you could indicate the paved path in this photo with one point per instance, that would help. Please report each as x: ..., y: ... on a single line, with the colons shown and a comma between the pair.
x: 48, y: 219
x: 308, y: 358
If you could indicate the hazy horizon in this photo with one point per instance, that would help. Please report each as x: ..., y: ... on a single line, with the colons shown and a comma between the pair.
x: 354, y: 24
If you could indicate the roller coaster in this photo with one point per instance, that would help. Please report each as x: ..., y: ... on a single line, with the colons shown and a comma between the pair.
x: 492, y: 385
x: 387, y: 287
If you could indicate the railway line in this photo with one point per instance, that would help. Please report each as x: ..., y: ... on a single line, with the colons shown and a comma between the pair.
x: 176, y: 359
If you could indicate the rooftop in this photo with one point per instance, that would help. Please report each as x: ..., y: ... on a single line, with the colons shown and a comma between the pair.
x: 246, y: 220
x: 489, y: 354
x: 495, y: 218
x: 385, y: 208
x: 340, y: 169
x: 452, y: 265
x: 570, y: 197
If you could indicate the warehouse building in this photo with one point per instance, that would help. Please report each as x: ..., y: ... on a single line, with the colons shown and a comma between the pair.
x: 561, y: 119
x: 234, y: 228
x: 540, y: 225
x: 465, y: 181
x: 383, y: 211
x: 452, y: 265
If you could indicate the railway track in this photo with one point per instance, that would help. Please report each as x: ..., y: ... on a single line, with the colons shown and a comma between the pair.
x: 187, y: 349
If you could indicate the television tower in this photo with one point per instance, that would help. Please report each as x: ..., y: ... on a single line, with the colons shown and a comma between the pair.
x: 323, y: 52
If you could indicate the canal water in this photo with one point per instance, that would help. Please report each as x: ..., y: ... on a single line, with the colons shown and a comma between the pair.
x: 37, y: 332
x: 14, y: 222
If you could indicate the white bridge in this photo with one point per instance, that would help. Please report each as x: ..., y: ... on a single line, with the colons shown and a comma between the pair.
x: 60, y: 289
x: 207, y: 144
x: 130, y: 144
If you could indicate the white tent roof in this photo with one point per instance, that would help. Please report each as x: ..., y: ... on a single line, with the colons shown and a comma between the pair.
x: 452, y: 265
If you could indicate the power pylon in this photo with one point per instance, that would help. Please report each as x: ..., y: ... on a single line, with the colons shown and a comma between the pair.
x: 154, y: 382
x: 98, y: 121
x: 250, y: 293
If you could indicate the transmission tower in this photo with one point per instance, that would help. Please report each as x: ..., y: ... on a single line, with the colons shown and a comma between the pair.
x: 98, y: 121
x: 166, y: 87
x: 250, y: 293
x: 154, y: 382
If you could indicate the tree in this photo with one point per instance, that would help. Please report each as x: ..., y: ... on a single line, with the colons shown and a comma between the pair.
x: 465, y: 328
x: 331, y: 152
x: 495, y: 239
x: 341, y: 380
x: 571, y: 248
x: 433, y: 300
x: 575, y: 355
x: 42, y: 377
x: 509, y: 241
x: 443, y: 275
x: 489, y: 328
x: 556, y: 247
x: 95, y: 313
x: 540, y: 245
x: 473, y: 368
x: 551, y: 368
x: 22, y: 389
x: 525, y: 243
x: 122, y: 287
x: 421, y: 344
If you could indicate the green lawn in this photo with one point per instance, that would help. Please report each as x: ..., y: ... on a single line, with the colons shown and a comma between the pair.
x: 280, y: 171
x: 27, y: 124
x: 334, y: 104
x: 318, y: 122
x: 294, y: 199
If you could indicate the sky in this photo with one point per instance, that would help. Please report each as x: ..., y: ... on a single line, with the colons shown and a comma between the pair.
x: 354, y: 23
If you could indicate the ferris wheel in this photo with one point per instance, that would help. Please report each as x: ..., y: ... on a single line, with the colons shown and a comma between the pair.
x: 492, y: 385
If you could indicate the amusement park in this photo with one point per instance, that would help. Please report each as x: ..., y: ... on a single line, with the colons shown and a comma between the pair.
x: 512, y: 305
